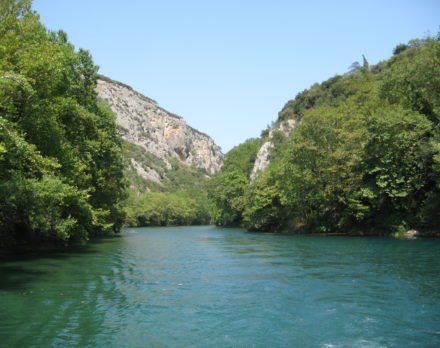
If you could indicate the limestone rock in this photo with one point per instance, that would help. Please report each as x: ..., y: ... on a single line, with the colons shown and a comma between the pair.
x: 263, y: 158
x: 146, y: 173
x: 162, y: 134
x: 411, y: 234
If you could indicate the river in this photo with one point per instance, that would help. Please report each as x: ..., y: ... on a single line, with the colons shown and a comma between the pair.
x: 212, y: 287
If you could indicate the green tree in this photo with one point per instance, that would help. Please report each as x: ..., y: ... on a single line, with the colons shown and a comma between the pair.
x: 61, y: 168
x: 266, y: 202
x: 395, y: 167
x: 228, y: 188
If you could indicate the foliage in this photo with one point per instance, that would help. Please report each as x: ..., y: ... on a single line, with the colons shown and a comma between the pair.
x: 228, y: 188
x: 265, y: 201
x: 61, y: 170
x: 166, y: 209
x: 395, y: 167
x: 331, y: 92
x: 179, y: 198
x: 413, y: 79
x: 364, y: 156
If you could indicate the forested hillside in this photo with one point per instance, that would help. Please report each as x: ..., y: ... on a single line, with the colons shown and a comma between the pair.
x: 167, y: 162
x: 61, y: 168
x: 364, y: 156
x: 179, y: 199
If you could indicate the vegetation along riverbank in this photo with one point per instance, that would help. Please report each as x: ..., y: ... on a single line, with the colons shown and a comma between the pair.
x: 82, y: 155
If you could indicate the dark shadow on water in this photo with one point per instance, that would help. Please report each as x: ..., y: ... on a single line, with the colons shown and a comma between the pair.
x: 17, y: 277
x: 50, y: 250
x: 16, y: 265
x: 29, y: 253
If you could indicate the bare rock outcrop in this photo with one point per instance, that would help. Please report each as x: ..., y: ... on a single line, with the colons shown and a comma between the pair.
x: 263, y: 158
x: 143, y: 122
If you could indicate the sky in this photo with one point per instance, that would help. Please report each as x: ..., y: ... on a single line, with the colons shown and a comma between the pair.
x: 229, y: 66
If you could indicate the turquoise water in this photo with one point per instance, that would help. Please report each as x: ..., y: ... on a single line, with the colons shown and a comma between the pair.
x: 213, y: 287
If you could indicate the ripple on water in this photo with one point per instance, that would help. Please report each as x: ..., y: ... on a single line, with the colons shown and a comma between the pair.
x: 207, y: 286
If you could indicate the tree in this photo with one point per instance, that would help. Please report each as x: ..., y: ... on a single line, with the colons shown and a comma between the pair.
x: 228, y: 188
x: 395, y: 167
x: 265, y: 201
x: 61, y: 171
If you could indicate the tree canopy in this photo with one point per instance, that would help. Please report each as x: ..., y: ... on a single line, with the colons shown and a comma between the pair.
x: 61, y: 170
x: 363, y: 158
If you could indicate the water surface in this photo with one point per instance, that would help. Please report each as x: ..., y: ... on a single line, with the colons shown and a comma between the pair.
x: 207, y: 286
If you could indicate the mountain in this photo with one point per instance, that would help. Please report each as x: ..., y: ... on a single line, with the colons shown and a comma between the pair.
x: 167, y: 163
x: 156, y: 138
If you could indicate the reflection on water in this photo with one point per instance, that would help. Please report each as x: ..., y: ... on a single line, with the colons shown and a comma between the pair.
x: 208, y: 286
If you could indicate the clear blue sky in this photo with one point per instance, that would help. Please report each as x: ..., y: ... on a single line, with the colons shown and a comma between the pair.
x: 229, y: 66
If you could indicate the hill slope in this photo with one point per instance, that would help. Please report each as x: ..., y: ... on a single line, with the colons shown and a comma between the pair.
x: 156, y: 137
x: 167, y: 162
x: 357, y: 153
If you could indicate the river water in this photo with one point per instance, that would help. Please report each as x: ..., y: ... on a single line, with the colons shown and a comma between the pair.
x: 213, y: 287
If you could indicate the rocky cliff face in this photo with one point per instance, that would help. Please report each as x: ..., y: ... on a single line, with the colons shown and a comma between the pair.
x: 264, y: 153
x: 161, y: 134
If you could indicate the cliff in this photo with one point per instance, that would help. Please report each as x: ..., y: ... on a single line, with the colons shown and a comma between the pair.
x: 161, y: 134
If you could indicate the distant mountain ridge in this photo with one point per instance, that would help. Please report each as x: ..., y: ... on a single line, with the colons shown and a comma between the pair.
x: 162, y: 135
